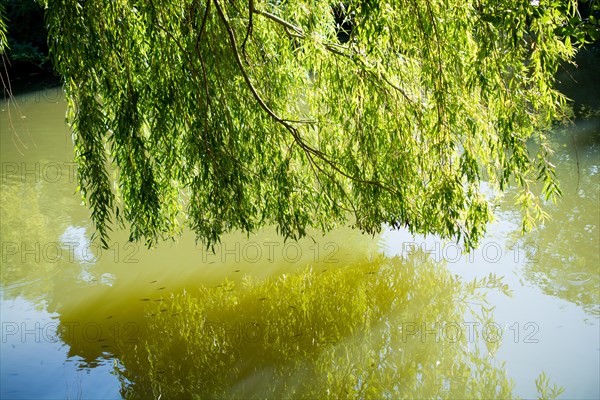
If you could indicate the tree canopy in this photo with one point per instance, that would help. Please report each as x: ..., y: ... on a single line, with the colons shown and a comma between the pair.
x: 229, y: 115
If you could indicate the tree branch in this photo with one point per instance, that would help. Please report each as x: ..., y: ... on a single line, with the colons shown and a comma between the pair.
x: 280, y: 21
x: 249, y: 30
x: 309, y: 150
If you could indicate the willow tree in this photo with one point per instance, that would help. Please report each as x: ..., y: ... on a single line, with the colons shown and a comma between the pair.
x: 3, y: 28
x: 229, y: 115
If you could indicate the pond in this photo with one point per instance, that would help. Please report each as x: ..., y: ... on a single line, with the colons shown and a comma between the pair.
x: 336, y: 315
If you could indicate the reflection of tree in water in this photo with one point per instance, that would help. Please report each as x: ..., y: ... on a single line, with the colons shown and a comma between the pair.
x: 371, y: 330
x: 565, y: 251
x: 24, y: 230
x: 40, y: 247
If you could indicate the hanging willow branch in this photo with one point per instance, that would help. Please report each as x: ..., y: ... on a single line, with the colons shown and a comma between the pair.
x: 227, y: 116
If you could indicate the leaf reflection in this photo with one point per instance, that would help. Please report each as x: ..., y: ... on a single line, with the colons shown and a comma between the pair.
x: 564, y: 253
x: 381, y: 329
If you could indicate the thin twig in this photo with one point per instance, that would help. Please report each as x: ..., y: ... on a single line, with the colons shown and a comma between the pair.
x: 249, y: 29
x: 310, y: 151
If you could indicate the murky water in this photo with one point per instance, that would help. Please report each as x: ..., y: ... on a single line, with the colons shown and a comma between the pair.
x: 339, y: 315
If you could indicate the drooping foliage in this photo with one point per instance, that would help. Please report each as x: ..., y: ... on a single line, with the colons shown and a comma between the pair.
x: 3, y: 40
x: 226, y: 115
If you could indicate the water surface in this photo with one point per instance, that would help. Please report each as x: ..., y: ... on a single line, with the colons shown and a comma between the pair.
x: 339, y: 315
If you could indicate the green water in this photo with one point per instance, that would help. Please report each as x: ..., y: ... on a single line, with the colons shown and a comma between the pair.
x: 336, y: 315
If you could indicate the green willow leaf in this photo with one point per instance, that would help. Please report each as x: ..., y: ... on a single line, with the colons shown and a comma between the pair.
x: 222, y: 116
